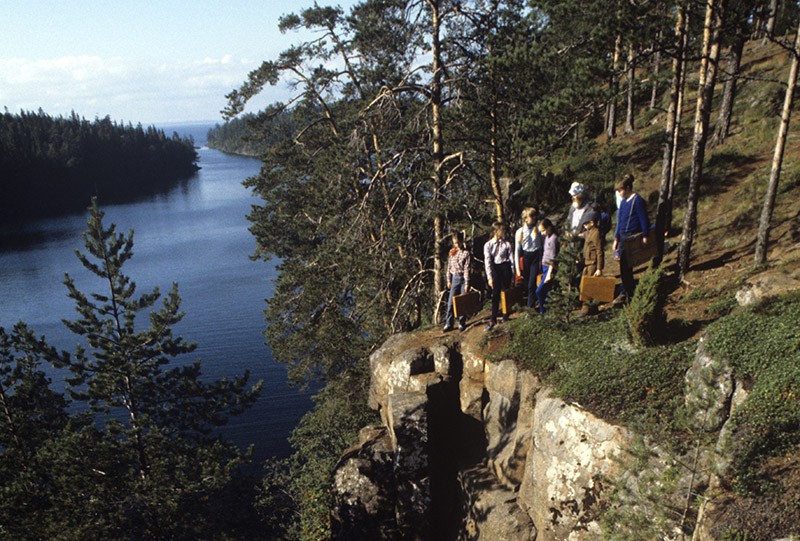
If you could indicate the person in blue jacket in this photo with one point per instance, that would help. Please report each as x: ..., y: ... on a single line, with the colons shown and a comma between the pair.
x: 631, y: 219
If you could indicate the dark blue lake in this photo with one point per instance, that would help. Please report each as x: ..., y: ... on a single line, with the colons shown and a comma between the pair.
x: 195, y: 235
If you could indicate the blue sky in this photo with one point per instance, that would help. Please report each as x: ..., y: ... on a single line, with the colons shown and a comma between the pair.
x: 138, y: 61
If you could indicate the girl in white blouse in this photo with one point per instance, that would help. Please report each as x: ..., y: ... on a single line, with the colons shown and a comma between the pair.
x: 498, y: 255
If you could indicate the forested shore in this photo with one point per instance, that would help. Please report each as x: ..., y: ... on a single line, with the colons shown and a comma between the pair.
x: 250, y: 134
x: 52, y: 165
x: 410, y: 121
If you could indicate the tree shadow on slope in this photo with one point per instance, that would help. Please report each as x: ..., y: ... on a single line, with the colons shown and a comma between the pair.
x: 721, y: 171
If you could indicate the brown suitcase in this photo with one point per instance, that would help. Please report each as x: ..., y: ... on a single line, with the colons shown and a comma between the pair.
x: 509, y: 297
x: 637, y: 252
x: 599, y: 288
x: 467, y: 304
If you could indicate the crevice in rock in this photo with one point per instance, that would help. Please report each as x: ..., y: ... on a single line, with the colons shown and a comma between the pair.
x: 422, y: 364
x: 456, y: 441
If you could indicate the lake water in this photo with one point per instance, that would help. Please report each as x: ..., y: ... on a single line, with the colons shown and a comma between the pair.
x: 195, y: 235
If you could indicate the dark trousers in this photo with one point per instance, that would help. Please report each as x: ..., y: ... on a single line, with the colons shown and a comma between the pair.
x: 501, y: 279
x: 456, y: 288
x: 531, y: 263
x: 626, y: 273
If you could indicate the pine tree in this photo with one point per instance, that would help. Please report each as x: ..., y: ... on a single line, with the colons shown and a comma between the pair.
x: 169, y: 467
x: 30, y: 415
x: 564, y: 298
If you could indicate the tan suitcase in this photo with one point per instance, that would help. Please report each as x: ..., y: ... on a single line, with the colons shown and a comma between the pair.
x: 509, y: 297
x: 467, y: 304
x: 599, y: 288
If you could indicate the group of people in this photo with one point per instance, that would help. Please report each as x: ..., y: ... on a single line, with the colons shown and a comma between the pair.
x: 531, y: 259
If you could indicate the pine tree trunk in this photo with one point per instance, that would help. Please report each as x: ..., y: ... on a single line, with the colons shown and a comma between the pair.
x: 494, y: 173
x: 723, y: 125
x: 612, y: 106
x: 762, y: 239
x: 656, y: 70
x: 705, y: 94
x: 679, y: 118
x: 629, y: 113
x: 772, y: 15
x: 670, y: 147
x: 438, y: 156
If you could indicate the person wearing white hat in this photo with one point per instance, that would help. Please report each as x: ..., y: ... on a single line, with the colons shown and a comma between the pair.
x: 576, y: 217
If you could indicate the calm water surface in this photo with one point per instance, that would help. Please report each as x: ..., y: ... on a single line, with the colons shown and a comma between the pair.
x: 195, y: 235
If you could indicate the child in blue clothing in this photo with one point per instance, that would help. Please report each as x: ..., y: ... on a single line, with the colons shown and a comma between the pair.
x: 631, y: 220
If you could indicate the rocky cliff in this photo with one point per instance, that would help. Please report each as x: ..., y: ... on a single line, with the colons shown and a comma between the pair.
x: 475, y: 449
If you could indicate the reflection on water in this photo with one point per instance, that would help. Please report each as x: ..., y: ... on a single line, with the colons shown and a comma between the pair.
x: 196, y: 234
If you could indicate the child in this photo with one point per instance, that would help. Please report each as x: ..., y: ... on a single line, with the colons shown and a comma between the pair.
x: 528, y: 252
x: 593, y: 257
x: 498, y: 255
x: 549, y: 253
x: 457, y: 279
x: 631, y: 220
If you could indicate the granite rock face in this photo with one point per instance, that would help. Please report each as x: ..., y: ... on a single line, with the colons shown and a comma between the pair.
x: 479, y: 449
x: 470, y: 449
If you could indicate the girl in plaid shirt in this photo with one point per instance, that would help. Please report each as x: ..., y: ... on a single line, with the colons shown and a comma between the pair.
x: 457, y: 279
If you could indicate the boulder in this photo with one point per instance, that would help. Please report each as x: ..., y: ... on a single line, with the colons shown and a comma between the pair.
x: 767, y: 284
x: 508, y: 428
x: 491, y: 511
x: 571, y: 449
x: 363, y: 490
x: 408, y: 429
x: 474, y: 359
x: 709, y: 387
x: 471, y: 397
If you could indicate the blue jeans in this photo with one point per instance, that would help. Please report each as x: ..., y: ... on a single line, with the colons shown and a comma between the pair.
x: 544, y: 287
x: 457, y: 288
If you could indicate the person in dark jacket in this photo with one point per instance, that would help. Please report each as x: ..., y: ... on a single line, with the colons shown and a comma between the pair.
x: 593, y: 256
x: 631, y: 220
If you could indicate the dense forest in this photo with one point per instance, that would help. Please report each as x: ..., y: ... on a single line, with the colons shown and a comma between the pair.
x: 411, y: 119
x: 51, y: 164
x: 250, y: 134
x: 416, y: 118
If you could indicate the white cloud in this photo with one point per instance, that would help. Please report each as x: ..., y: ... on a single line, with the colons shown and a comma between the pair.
x: 124, y: 88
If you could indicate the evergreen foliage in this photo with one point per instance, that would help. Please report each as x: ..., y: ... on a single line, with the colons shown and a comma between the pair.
x: 250, y: 134
x: 143, y: 461
x: 53, y: 165
x: 295, y: 498
x: 565, y: 296
x: 645, y: 314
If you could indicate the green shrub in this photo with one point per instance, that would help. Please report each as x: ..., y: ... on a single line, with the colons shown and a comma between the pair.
x: 645, y: 314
